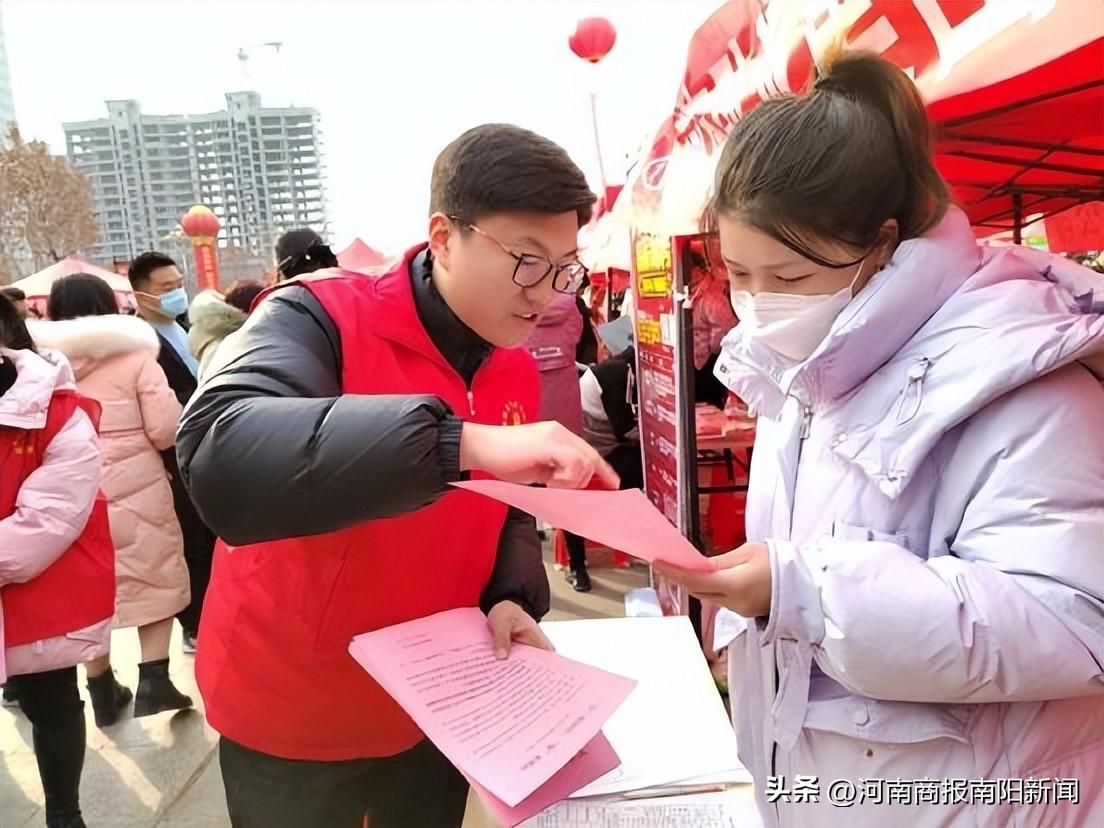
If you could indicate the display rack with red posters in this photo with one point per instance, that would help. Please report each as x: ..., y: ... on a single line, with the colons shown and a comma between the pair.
x: 665, y: 380
x: 658, y: 384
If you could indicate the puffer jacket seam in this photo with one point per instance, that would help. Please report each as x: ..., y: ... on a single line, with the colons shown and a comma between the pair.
x: 1063, y: 757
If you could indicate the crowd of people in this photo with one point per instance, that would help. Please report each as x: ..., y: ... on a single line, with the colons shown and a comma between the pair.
x: 922, y: 595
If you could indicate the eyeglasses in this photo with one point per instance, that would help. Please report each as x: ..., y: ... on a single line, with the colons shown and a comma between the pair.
x: 530, y: 270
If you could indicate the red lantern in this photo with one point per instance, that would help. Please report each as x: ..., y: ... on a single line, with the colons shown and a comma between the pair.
x: 200, y: 222
x: 593, y: 39
x: 201, y: 225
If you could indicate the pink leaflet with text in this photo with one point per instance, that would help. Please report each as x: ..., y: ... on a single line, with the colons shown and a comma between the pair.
x: 510, y: 726
x: 589, y: 765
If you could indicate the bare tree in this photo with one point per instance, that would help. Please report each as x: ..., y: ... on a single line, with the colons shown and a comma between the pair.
x: 46, y: 208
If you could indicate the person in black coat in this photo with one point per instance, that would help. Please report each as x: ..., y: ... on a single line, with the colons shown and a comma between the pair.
x: 158, y: 288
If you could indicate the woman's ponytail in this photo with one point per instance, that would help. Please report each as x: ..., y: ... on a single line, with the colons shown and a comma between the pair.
x: 877, y: 83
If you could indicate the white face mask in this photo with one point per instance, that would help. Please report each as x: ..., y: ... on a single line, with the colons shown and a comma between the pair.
x: 790, y: 324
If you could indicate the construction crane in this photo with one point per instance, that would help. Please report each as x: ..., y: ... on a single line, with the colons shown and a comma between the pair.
x: 245, y: 52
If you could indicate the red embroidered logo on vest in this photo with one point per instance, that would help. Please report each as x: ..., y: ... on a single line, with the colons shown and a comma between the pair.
x: 514, y: 414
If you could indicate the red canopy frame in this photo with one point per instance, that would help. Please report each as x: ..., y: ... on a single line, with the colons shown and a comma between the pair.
x: 1030, y: 145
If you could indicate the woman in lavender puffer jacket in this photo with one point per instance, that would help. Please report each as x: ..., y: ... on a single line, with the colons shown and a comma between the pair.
x: 57, y: 564
x: 923, y: 599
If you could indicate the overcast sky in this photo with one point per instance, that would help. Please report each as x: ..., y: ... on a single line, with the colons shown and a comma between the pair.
x: 394, y: 82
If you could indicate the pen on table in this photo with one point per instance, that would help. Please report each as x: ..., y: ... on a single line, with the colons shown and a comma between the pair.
x: 673, y: 790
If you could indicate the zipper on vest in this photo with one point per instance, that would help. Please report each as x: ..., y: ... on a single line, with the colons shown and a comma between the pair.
x: 471, y: 402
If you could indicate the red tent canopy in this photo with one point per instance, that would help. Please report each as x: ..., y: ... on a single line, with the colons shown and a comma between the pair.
x: 1033, y: 144
x: 359, y: 256
x: 1016, y: 92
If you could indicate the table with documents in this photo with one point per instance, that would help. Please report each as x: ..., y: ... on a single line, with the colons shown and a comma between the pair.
x: 672, y: 733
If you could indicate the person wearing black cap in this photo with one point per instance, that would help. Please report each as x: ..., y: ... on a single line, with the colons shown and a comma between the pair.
x: 302, y: 251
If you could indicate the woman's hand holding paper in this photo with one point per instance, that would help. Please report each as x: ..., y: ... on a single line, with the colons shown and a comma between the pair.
x: 741, y: 580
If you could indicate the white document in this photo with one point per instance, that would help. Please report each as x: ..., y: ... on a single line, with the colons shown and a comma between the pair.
x: 726, y: 627
x: 730, y: 809
x: 673, y: 728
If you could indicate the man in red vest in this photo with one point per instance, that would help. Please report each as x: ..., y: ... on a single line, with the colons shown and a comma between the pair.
x: 321, y: 449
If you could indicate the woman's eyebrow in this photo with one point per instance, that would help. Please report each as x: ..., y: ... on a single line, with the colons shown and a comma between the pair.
x: 777, y: 266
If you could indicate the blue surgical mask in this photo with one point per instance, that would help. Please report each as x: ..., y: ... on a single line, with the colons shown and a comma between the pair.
x: 174, y: 303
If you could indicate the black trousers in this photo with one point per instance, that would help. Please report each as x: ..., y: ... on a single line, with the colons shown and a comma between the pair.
x: 51, y: 702
x: 626, y: 461
x: 199, y: 551
x: 414, y: 789
x: 199, y: 545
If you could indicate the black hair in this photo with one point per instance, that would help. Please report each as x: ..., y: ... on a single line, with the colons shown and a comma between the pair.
x: 835, y: 163
x: 302, y: 251
x: 499, y: 168
x: 13, y: 294
x: 141, y: 268
x: 13, y: 328
x: 80, y: 294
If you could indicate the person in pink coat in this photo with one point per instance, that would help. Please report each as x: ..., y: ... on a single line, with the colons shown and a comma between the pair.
x: 552, y: 345
x: 57, y: 579
x: 114, y: 358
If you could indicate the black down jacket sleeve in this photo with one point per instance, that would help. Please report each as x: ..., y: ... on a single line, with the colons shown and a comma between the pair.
x: 519, y: 573
x: 269, y: 447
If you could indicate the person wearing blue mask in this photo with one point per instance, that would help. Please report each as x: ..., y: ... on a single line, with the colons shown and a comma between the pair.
x: 163, y: 303
x: 161, y: 299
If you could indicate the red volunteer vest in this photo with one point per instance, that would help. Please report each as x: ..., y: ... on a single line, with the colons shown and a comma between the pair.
x: 273, y: 664
x: 78, y: 589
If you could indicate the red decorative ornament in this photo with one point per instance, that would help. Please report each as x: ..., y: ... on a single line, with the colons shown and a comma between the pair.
x: 202, y: 226
x: 200, y: 222
x: 593, y: 39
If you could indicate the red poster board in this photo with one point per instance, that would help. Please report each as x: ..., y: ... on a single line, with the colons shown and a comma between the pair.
x: 658, y: 384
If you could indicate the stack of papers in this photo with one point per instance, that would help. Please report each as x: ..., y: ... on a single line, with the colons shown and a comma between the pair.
x: 673, y: 733
x: 673, y: 730
x: 525, y: 731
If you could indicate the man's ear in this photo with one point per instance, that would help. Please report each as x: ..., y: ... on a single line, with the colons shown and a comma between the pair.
x: 442, y: 236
